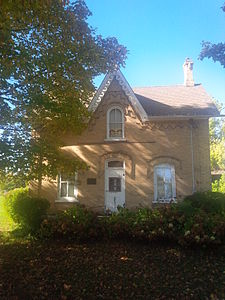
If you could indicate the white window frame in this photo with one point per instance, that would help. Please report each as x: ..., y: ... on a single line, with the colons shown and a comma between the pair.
x: 67, y: 198
x: 172, y: 169
x: 109, y: 138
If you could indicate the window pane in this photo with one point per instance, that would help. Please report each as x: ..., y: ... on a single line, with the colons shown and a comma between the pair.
x: 168, y: 175
x: 115, y: 130
x: 67, y: 185
x: 168, y: 190
x: 71, y: 190
x: 118, y: 116
x: 112, y: 116
x: 168, y: 183
x: 115, y: 123
x: 71, y: 178
x: 65, y: 177
x: 160, y: 186
x: 160, y: 174
x: 164, y: 182
x: 114, y: 184
x: 63, y: 189
x: 115, y: 164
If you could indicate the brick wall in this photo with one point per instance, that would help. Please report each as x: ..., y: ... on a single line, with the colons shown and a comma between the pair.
x: 146, y: 145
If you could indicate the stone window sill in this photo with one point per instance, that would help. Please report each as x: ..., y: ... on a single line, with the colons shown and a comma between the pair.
x: 115, y: 140
x: 66, y: 200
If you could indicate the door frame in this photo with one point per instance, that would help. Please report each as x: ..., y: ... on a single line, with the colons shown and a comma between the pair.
x: 123, y: 183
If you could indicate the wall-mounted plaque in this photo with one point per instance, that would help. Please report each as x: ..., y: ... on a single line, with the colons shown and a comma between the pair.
x: 91, y: 181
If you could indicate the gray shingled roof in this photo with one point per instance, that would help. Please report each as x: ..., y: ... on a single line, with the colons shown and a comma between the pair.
x: 176, y: 100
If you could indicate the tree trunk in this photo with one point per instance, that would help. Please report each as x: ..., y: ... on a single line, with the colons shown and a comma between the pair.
x: 39, y: 185
x: 40, y: 175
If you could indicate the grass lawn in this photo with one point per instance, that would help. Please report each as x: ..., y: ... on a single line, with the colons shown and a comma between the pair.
x: 115, y: 270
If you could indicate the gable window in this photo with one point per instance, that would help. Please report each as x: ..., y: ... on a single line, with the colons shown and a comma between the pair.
x: 164, y: 183
x: 67, y: 188
x: 115, y: 123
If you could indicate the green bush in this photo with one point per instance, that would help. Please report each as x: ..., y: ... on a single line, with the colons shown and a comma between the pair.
x: 182, y: 225
x: 84, y: 223
x: 80, y: 215
x: 120, y: 224
x: 190, y: 222
x: 25, y: 210
x: 185, y: 208
x: 210, y: 202
x: 11, y: 197
x: 77, y: 223
x: 219, y: 185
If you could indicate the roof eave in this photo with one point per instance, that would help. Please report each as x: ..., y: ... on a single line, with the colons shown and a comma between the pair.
x: 180, y: 117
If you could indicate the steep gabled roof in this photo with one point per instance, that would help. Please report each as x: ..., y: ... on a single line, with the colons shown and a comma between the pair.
x: 176, y: 100
x: 126, y: 88
x: 161, y: 101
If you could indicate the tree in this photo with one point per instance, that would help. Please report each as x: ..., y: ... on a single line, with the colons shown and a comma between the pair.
x: 214, y: 51
x: 217, y: 141
x: 216, y: 126
x: 49, y: 56
x: 217, y: 152
x: 219, y: 185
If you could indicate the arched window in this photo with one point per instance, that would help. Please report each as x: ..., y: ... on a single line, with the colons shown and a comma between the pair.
x: 115, y: 123
x: 164, y: 183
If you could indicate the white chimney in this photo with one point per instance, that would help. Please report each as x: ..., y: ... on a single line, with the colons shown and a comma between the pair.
x: 188, y: 72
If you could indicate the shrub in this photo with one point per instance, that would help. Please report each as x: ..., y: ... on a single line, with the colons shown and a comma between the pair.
x: 187, y: 223
x: 84, y: 222
x: 11, y: 197
x: 219, y: 185
x: 203, y: 229
x: 185, y: 208
x: 77, y: 223
x: 120, y: 224
x: 80, y: 215
x: 148, y: 224
x: 210, y: 202
x: 25, y: 210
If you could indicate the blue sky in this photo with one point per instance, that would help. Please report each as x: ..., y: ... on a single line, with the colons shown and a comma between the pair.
x: 160, y: 35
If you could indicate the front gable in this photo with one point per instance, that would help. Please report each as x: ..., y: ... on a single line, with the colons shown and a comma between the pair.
x: 97, y: 127
x: 109, y: 83
x: 114, y: 98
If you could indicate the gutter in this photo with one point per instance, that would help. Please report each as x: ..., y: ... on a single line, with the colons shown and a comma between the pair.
x: 181, y: 117
x: 192, y: 157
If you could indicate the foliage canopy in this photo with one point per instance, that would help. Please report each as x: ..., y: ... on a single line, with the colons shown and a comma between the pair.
x: 217, y: 150
x: 49, y: 56
x: 214, y: 51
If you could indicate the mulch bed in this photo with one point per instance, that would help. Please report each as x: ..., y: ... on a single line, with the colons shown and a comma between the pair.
x: 115, y: 270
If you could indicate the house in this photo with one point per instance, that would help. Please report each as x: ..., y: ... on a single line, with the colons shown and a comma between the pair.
x: 143, y: 146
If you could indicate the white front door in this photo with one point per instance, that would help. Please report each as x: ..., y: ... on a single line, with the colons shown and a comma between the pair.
x: 114, y: 185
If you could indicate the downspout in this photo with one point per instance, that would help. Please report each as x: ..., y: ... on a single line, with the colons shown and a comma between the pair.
x: 192, y: 156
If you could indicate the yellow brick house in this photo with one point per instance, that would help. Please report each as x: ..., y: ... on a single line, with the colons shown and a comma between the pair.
x: 143, y: 145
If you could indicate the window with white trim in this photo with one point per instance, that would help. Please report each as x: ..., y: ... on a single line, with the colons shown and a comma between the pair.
x: 164, y: 183
x: 115, y: 123
x: 67, y: 187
